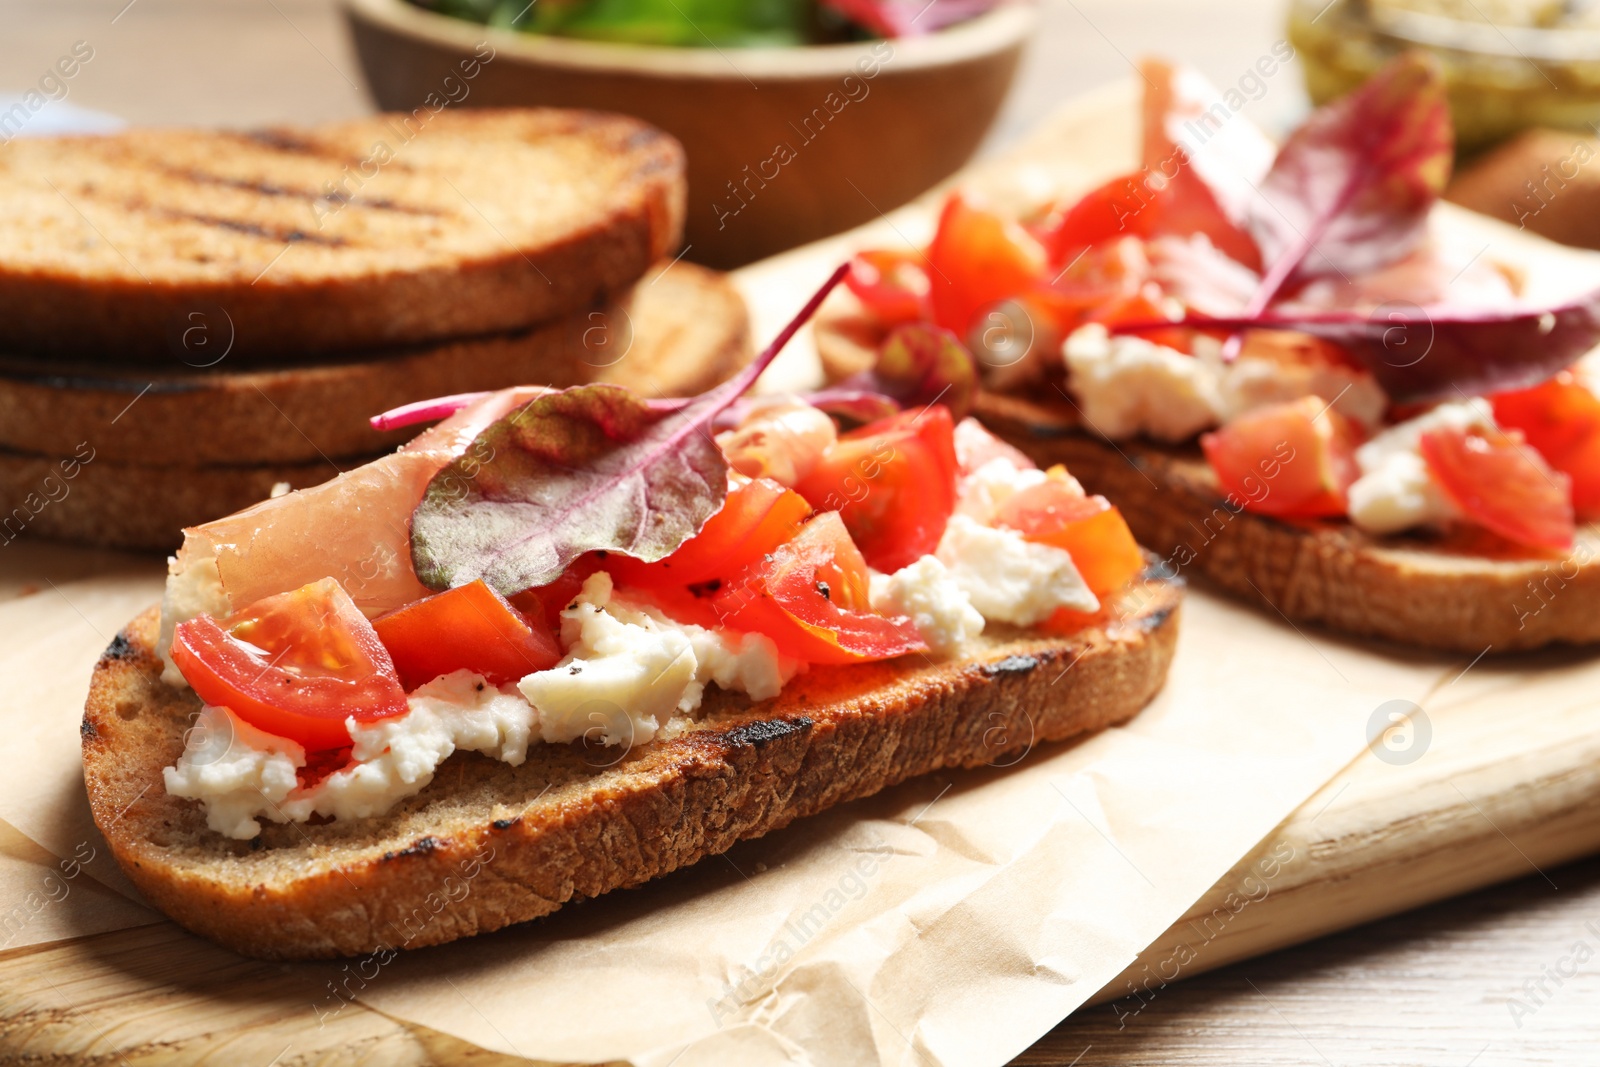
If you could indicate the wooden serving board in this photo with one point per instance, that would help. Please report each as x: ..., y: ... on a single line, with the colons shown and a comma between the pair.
x: 1506, y: 784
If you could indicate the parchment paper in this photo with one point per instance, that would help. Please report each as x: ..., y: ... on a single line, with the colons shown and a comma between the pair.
x: 952, y: 920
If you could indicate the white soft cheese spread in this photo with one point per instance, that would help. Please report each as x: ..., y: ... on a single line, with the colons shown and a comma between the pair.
x: 1126, y: 385
x: 628, y: 670
x: 1010, y: 579
x: 929, y: 595
x: 1396, y: 491
x: 981, y: 493
x: 1250, y: 382
x: 241, y: 774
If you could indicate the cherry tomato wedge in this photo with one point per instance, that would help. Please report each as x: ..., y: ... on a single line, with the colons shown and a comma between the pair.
x: 547, y: 602
x: 468, y: 628
x: 1560, y: 418
x: 296, y: 665
x: 978, y: 258
x: 893, y: 482
x: 893, y: 285
x: 1140, y: 308
x: 1099, y: 276
x: 1105, y: 212
x: 758, y: 515
x: 1292, y: 460
x: 810, y: 596
x: 1502, y: 485
x: 1094, y: 532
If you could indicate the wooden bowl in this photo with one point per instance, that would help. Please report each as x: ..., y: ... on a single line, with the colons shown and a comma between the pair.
x: 785, y: 145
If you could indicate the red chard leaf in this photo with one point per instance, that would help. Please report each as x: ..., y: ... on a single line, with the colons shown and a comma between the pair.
x: 1351, y: 188
x: 1436, y: 353
x: 589, y: 468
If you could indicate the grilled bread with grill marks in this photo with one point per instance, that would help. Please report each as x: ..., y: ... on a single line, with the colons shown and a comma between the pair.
x: 679, y: 331
x: 127, y: 465
x: 564, y: 826
x: 392, y: 230
x: 1464, y: 593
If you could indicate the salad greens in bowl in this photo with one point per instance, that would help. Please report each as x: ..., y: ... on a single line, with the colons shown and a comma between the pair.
x: 716, y: 23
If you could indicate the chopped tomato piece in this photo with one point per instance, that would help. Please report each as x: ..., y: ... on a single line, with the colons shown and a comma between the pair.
x: 1100, y: 276
x: 1056, y: 512
x: 547, y: 602
x: 1502, y: 485
x: 468, y: 628
x: 757, y: 516
x: 1293, y: 460
x: 893, y: 482
x: 1067, y: 621
x: 695, y: 604
x: 811, y: 597
x: 296, y: 665
x: 1117, y: 208
x: 978, y: 258
x: 1560, y: 418
x: 1140, y: 308
x: 893, y: 285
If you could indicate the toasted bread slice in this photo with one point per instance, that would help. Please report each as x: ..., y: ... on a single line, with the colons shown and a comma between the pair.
x: 130, y: 505
x: 560, y: 827
x: 1458, y: 595
x: 1538, y: 180
x: 678, y: 332
x: 391, y: 230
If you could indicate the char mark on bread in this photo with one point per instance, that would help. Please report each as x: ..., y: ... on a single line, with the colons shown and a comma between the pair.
x: 761, y: 732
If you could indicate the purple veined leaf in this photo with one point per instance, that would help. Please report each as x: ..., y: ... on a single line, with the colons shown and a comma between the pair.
x: 855, y: 405
x: 593, y: 467
x: 920, y: 363
x: 1421, y: 354
x: 908, y: 18
x: 1351, y: 188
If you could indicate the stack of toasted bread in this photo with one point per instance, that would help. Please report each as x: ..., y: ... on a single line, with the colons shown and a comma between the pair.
x: 189, y: 319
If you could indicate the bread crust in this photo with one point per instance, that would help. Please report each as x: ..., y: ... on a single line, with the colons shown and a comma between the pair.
x: 1470, y: 596
x: 292, y: 241
x: 676, y: 333
x: 518, y: 843
x: 111, y: 504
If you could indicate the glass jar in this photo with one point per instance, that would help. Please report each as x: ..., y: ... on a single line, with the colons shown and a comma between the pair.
x: 1536, y: 64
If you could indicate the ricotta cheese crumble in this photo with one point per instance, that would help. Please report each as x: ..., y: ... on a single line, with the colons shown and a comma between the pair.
x: 1010, y: 579
x: 1396, y: 491
x: 1126, y: 385
x: 241, y: 774
x: 629, y: 670
x: 929, y: 595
